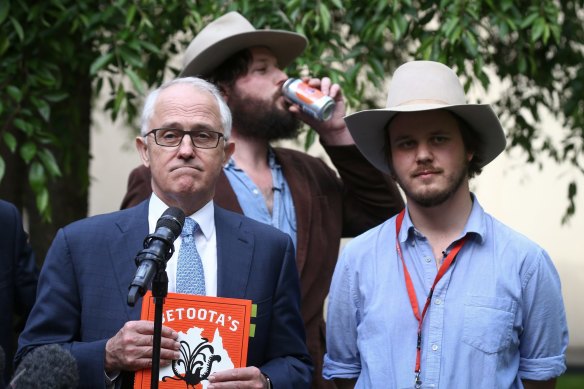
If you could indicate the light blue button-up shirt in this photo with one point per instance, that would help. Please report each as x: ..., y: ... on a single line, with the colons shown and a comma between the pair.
x: 496, y: 316
x: 252, y: 201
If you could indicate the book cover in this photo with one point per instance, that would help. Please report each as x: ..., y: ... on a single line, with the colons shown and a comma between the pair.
x: 213, y: 333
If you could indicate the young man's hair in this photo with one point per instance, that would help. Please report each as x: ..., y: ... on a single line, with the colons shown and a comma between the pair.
x: 226, y: 74
x: 470, y: 139
x: 472, y: 143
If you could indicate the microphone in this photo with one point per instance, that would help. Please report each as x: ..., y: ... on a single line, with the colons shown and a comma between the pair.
x: 46, y: 367
x: 158, y: 248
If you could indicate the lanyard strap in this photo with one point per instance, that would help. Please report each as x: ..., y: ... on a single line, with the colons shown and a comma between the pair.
x: 412, y: 293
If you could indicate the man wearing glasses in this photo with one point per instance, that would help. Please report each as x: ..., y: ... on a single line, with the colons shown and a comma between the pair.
x: 291, y: 190
x: 83, y: 288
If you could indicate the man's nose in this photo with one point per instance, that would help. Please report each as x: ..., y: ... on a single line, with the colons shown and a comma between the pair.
x: 186, y: 146
x: 424, y: 152
x: 280, y: 76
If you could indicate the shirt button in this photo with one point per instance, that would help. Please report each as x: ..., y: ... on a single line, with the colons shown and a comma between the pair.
x: 438, y: 301
x: 434, y: 347
x: 255, y: 191
x: 427, y: 259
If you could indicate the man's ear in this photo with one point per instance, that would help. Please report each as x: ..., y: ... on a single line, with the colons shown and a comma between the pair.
x: 142, y: 148
x: 228, y: 151
x: 225, y: 92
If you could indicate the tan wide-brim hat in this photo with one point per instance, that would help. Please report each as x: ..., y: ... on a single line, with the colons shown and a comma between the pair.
x: 423, y: 86
x: 231, y: 33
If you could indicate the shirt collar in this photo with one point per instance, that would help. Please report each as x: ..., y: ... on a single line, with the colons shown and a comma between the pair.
x: 272, y: 163
x: 205, y: 216
x: 475, y: 224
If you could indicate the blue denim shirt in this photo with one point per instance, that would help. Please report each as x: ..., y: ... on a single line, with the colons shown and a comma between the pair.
x: 496, y: 316
x: 252, y: 201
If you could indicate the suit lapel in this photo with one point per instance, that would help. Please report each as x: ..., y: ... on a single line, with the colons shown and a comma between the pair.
x: 132, y: 228
x: 234, y: 255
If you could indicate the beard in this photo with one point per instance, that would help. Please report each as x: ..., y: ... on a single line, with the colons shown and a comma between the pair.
x: 428, y: 199
x: 262, y: 119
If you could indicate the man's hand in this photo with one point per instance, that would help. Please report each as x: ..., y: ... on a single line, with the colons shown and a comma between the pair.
x: 243, y: 377
x: 334, y: 131
x: 131, y: 348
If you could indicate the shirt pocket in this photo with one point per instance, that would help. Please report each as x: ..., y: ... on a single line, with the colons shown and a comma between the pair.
x: 488, y: 323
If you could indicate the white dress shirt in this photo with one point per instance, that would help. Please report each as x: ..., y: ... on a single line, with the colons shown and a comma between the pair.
x: 205, y: 239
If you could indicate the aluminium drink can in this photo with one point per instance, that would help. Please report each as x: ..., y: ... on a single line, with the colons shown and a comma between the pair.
x: 311, y: 100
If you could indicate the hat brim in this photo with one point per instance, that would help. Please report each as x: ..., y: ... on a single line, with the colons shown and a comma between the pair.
x: 285, y: 45
x: 368, y: 129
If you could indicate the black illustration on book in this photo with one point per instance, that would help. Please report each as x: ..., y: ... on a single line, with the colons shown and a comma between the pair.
x: 197, y: 363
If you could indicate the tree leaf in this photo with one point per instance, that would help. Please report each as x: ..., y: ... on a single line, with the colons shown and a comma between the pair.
x: 100, y: 62
x: 36, y: 176
x: 136, y: 80
x: 537, y: 29
x: 28, y: 151
x: 44, y: 109
x: 50, y: 163
x: 42, y: 203
x: 10, y: 141
x: 4, y: 10
x: 17, y: 28
x: 14, y: 92
x: 130, y: 14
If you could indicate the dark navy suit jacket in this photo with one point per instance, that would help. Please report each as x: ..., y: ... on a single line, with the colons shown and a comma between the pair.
x: 83, y: 289
x: 18, y: 279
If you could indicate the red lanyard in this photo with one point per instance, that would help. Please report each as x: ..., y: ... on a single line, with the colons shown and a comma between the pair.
x: 412, y: 293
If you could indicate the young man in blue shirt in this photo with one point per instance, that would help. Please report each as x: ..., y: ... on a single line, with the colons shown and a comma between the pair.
x: 442, y: 295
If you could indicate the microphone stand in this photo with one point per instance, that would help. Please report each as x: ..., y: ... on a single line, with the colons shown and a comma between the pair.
x: 159, y: 292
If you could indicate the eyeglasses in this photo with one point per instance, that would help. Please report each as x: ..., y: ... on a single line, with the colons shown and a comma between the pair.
x: 172, y: 137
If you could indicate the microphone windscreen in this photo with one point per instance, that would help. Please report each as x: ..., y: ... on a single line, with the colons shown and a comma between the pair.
x: 173, y: 219
x: 46, y: 367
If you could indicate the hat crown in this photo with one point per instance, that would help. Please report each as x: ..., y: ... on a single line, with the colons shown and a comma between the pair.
x: 425, y: 82
x: 231, y: 33
x: 232, y: 23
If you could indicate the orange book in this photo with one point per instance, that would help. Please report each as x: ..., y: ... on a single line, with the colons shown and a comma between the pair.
x: 213, y: 332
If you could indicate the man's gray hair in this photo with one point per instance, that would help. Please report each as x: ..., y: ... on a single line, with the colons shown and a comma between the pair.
x: 200, y: 84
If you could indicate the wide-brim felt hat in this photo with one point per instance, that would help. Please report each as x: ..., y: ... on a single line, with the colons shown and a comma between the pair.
x: 423, y: 86
x: 231, y: 33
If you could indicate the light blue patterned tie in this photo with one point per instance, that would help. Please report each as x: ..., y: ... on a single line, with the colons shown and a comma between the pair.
x: 190, y: 277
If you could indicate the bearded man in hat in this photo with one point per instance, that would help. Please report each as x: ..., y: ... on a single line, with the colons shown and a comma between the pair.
x: 442, y: 295
x: 288, y: 189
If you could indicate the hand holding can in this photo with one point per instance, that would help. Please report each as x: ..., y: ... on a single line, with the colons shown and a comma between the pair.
x: 311, y: 100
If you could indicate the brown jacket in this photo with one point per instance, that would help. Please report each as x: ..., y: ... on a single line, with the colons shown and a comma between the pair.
x: 327, y: 208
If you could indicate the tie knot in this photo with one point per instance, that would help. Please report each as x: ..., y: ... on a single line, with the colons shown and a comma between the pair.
x: 190, y: 227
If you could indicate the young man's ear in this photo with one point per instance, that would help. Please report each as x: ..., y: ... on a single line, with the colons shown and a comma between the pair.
x: 224, y: 91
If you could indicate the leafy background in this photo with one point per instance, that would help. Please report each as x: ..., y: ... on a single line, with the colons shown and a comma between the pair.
x: 57, y: 55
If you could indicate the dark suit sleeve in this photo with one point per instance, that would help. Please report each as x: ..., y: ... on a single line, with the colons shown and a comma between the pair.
x: 26, y: 273
x: 369, y: 196
x: 18, y: 279
x: 139, y: 187
x: 288, y: 363
x: 56, y: 315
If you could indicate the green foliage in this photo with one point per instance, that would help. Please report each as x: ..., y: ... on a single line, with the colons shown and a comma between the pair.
x: 533, y: 47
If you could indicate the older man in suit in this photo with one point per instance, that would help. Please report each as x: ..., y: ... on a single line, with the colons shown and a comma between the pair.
x: 84, y: 283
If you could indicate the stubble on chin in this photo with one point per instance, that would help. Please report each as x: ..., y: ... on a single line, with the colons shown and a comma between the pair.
x: 428, y: 197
